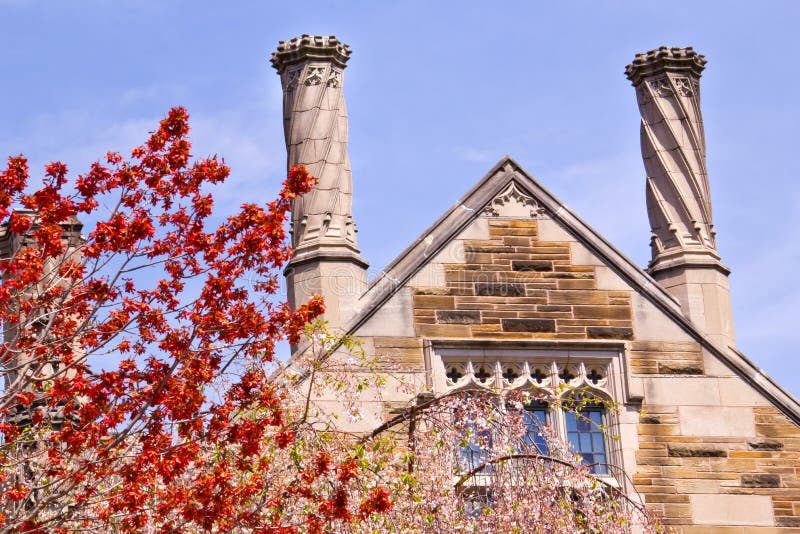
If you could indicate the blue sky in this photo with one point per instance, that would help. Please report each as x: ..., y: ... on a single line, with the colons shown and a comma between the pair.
x: 437, y: 93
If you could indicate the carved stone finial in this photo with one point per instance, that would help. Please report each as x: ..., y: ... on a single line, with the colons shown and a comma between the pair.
x: 675, y: 60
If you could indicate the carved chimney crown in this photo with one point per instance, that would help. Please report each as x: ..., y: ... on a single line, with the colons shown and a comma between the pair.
x: 310, y: 47
x: 664, y: 59
x: 316, y: 133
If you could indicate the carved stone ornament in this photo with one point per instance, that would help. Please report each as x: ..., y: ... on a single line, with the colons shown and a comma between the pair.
x: 334, y: 79
x: 292, y: 78
x: 684, y: 86
x: 660, y: 87
x: 314, y: 76
x: 543, y: 374
x: 514, y: 203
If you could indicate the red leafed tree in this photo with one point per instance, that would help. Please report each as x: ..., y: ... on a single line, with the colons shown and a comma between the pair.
x: 136, y: 358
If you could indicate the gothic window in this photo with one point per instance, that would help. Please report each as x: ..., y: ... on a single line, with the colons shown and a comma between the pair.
x: 586, y: 436
x: 582, y: 380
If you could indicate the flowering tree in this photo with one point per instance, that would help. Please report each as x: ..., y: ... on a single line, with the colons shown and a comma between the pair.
x: 135, y: 359
x: 141, y: 393
x: 475, y: 463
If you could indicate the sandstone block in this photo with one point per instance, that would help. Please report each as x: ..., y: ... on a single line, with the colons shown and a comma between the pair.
x: 443, y: 330
x: 602, y: 312
x: 578, y: 297
x: 716, y: 509
x: 716, y: 421
x: 569, y: 276
x: 609, y: 332
x: 431, y: 291
x: 696, y: 451
x: 761, y: 480
x: 531, y: 265
x: 528, y: 233
x: 577, y: 284
x: 516, y: 241
x: 676, y: 368
x: 433, y: 301
x: 765, y: 445
x: 499, y: 289
x: 458, y: 316
x: 529, y: 325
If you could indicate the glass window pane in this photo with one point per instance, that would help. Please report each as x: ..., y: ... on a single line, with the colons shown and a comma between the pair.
x: 583, y: 424
x: 586, y: 436
x: 574, y: 440
x: 535, y: 418
x: 596, y: 417
x: 586, y: 443
x: 571, y: 422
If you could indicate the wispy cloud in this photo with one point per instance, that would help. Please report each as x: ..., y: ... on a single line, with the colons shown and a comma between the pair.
x: 149, y: 93
x: 247, y: 137
x: 477, y: 155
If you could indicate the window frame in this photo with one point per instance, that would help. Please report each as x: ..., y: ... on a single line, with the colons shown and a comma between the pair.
x: 579, y: 360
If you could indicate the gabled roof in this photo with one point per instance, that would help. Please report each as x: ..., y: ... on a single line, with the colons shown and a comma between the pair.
x: 470, y: 206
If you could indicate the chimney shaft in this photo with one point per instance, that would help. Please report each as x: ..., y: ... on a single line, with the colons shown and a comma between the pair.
x: 684, y: 250
x: 327, y: 260
x: 30, y: 323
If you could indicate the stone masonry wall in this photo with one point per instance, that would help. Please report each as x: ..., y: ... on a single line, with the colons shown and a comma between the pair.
x: 693, y: 468
x: 678, y: 474
x: 516, y: 286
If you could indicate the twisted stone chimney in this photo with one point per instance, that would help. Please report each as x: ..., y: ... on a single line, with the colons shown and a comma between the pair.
x: 684, y: 251
x: 327, y: 260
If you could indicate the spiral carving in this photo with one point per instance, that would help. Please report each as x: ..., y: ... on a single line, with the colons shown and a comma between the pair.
x: 674, y: 151
x: 316, y: 134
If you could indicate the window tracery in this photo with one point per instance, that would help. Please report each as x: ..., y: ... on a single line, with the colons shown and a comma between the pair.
x: 574, y: 389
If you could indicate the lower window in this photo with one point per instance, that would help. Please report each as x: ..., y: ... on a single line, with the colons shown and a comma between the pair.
x: 585, y: 433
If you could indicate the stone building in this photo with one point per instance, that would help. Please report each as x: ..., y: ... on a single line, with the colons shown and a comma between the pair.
x: 509, y: 288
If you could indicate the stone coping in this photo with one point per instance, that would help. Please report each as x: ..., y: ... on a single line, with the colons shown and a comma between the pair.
x: 310, y: 47
x: 664, y: 59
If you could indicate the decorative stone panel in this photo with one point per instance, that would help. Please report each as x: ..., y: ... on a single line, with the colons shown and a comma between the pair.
x: 504, y: 372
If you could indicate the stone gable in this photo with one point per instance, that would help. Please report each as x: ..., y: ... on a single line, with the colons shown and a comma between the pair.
x: 702, y: 447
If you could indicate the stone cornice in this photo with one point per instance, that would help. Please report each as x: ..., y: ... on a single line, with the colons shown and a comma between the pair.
x: 664, y: 59
x: 310, y: 47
